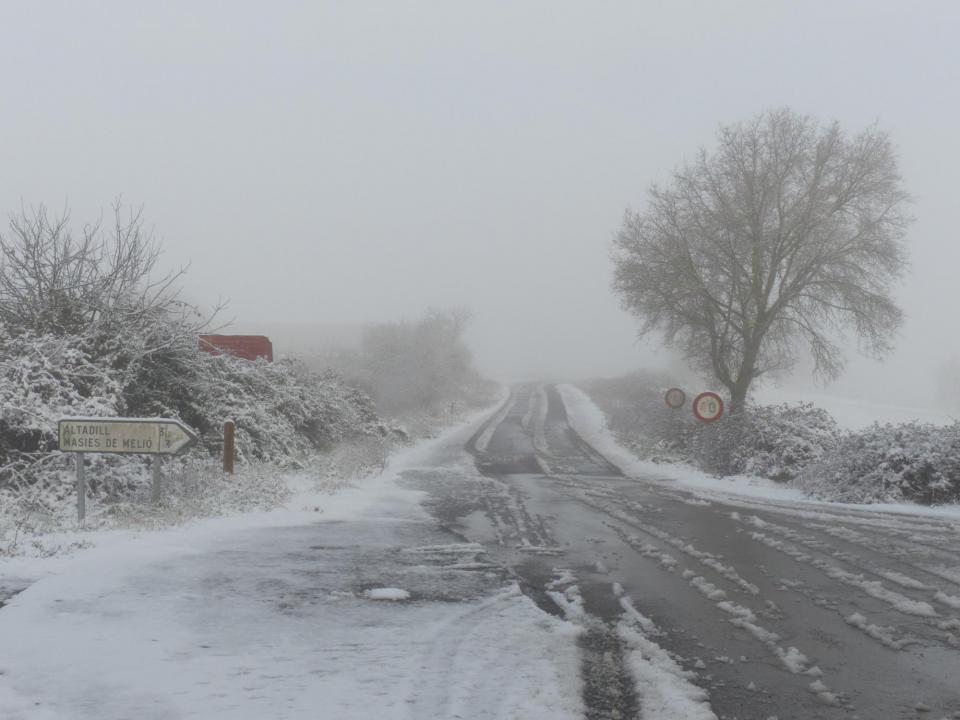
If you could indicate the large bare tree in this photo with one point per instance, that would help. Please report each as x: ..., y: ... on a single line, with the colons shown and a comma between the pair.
x: 787, y: 234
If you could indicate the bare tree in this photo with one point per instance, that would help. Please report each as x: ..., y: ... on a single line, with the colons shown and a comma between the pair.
x: 787, y: 234
x: 54, y: 282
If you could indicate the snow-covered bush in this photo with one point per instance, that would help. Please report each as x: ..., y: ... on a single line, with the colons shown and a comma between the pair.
x: 43, y: 378
x: 772, y: 441
x: 87, y: 328
x: 282, y: 410
x: 918, y: 462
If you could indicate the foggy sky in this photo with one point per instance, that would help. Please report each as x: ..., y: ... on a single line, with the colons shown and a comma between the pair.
x: 345, y: 162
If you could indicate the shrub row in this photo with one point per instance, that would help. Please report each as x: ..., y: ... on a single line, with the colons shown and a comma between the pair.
x: 283, y: 411
x: 797, y: 444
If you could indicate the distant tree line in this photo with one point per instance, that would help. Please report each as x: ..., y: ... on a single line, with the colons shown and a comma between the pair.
x: 414, y: 368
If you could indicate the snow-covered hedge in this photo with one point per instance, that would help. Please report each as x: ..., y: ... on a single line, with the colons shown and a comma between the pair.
x: 890, y: 463
x: 776, y: 442
x: 772, y: 441
x: 800, y: 443
x: 283, y: 412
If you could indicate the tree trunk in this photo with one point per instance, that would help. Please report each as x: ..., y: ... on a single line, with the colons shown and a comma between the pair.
x: 738, y: 397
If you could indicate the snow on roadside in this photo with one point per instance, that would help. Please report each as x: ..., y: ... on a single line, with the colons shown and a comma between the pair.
x: 198, y: 621
x: 590, y: 423
x: 506, y: 402
x: 666, y: 691
x: 309, y: 500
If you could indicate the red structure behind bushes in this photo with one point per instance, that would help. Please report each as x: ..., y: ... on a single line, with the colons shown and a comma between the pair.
x: 248, y: 347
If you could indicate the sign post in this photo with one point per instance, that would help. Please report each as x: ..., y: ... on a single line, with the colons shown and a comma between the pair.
x: 81, y: 489
x: 157, y: 492
x: 126, y: 436
x: 229, y: 446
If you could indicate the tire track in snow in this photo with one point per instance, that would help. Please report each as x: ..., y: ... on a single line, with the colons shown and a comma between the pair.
x: 708, y: 560
x: 890, y: 553
x: 626, y: 673
x: 940, y: 537
x: 888, y: 636
x: 744, y: 618
x: 905, y: 604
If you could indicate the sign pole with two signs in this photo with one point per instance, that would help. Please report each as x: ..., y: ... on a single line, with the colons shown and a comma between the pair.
x: 125, y: 436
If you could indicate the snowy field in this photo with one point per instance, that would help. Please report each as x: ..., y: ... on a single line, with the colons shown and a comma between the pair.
x: 854, y: 413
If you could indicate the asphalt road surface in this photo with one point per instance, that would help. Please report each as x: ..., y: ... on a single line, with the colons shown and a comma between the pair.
x: 786, y: 610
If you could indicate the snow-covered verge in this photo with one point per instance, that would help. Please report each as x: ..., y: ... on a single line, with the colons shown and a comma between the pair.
x: 39, y: 520
x: 286, y: 418
x: 289, y: 420
x: 296, y: 613
x: 591, y: 423
x: 797, y: 444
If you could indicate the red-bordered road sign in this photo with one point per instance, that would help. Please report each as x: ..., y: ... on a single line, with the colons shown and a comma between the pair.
x: 708, y: 406
x: 675, y: 398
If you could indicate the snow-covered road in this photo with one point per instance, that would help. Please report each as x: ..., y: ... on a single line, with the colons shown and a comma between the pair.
x: 740, y: 606
x: 526, y: 578
x: 368, y: 609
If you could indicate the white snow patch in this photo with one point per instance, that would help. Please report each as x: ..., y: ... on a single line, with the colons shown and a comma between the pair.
x: 708, y: 589
x: 388, y: 594
x: 885, y: 635
x: 737, y: 610
x: 824, y: 694
x: 903, y: 580
x: 949, y: 600
x: 761, y: 634
x: 794, y: 660
x: 649, y: 627
x: 665, y: 689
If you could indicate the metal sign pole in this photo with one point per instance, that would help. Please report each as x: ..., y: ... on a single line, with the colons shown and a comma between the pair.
x: 157, y: 480
x: 81, y: 489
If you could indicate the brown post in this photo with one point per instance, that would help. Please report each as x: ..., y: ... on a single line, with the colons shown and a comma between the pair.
x: 228, y: 446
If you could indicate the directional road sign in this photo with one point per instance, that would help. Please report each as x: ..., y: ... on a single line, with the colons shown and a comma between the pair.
x: 146, y: 436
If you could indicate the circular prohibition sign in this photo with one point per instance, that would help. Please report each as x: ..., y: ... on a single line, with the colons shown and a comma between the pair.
x: 675, y: 398
x: 708, y: 407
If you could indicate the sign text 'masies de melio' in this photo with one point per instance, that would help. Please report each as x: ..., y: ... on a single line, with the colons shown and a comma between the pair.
x: 145, y: 436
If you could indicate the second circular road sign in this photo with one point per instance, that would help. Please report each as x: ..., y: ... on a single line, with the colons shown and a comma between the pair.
x: 675, y: 398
